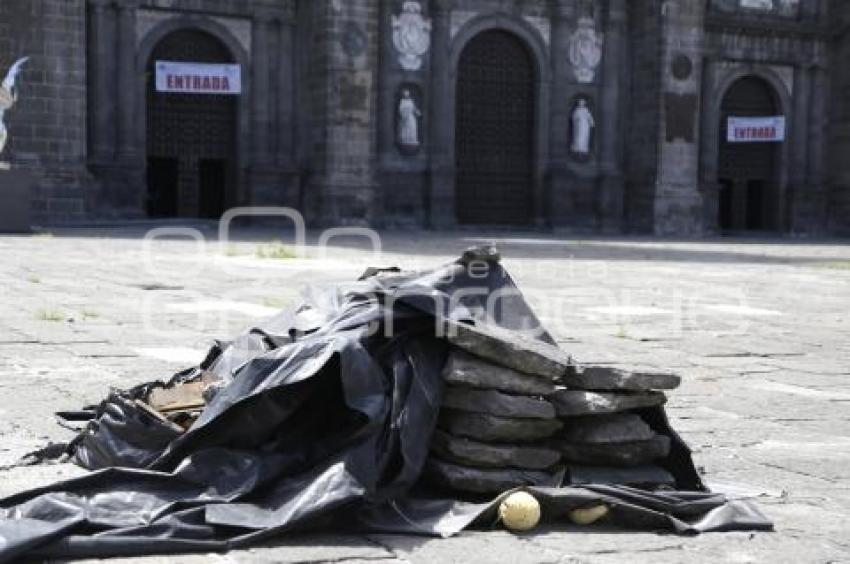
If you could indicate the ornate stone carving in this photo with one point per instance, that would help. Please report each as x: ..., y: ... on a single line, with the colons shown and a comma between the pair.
x: 585, y: 50
x: 411, y: 35
x: 8, y: 97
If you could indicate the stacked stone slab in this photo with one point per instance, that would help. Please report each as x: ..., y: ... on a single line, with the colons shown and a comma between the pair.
x: 496, y: 421
x: 605, y: 440
x: 517, y: 411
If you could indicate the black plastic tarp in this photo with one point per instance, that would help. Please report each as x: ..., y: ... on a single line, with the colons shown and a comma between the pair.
x: 322, y: 422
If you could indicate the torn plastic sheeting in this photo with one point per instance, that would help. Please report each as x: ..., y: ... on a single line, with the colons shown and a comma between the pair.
x: 323, y: 420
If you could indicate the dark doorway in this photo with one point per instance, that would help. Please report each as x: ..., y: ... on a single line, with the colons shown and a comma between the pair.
x: 162, y: 186
x: 191, y: 138
x: 749, y: 179
x: 494, y: 131
x: 213, y: 178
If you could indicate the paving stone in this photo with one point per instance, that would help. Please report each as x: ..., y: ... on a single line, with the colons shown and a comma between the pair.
x: 606, y: 429
x: 473, y: 453
x: 497, y: 403
x: 647, y: 475
x: 490, y: 428
x: 510, y: 348
x: 581, y: 402
x: 614, y: 454
x: 465, y: 369
x: 777, y: 441
x: 480, y: 480
x: 606, y: 378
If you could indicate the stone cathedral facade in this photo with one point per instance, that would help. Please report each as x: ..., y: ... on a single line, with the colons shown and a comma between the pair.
x: 668, y: 117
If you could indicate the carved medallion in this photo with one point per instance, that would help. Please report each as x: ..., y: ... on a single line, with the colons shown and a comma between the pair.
x: 585, y: 50
x: 411, y: 35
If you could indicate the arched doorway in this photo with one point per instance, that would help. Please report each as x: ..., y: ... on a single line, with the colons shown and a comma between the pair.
x: 494, y: 130
x: 191, y: 138
x: 748, y: 172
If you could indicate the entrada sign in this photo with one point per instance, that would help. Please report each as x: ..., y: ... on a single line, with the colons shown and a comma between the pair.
x: 198, y: 78
x: 756, y: 129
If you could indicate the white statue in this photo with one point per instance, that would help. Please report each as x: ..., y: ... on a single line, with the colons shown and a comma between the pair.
x: 585, y: 50
x: 408, y: 120
x: 583, y: 124
x: 411, y: 35
x: 8, y: 97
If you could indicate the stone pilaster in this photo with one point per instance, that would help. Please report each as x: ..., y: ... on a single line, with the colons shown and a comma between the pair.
x: 678, y: 207
x: 102, y: 91
x: 387, y: 91
x: 261, y: 116
x: 561, y: 209
x: 344, y: 76
x: 709, y: 187
x: 127, y: 149
x: 286, y: 80
x: 611, y: 183
x: 799, y: 154
x: 441, y: 197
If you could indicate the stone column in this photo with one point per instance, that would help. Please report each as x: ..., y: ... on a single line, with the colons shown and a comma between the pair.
x: 561, y: 210
x: 102, y: 94
x: 127, y: 80
x: 611, y: 186
x: 441, y: 197
x: 261, y: 120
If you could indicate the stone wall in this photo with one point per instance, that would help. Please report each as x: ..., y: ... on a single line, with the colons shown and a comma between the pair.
x: 322, y: 80
x: 48, y: 125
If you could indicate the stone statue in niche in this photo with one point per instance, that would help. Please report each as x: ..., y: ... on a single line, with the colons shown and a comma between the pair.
x: 585, y: 50
x: 583, y: 124
x: 408, y: 121
x: 8, y: 97
x: 411, y: 35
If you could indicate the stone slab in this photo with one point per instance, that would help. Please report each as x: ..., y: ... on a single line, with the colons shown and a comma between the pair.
x: 480, y: 480
x: 465, y: 369
x: 606, y: 378
x: 642, y: 476
x: 473, y: 453
x: 490, y: 428
x: 16, y: 187
x: 509, y: 348
x: 570, y: 403
x: 614, y: 454
x: 606, y: 429
x: 497, y: 403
